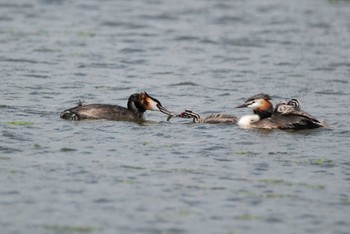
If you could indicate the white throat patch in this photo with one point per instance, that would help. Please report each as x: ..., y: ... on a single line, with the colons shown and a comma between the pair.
x: 153, y: 105
x: 255, y: 105
x: 247, y: 121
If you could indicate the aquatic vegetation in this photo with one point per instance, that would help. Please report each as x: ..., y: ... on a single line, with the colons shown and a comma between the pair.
x: 247, y: 193
x: 171, y: 215
x: 179, y: 171
x: 248, y: 217
x: 4, y: 158
x: 103, y: 87
x: 281, y: 153
x: 19, y: 123
x: 314, y: 162
x: 170, y: 145
x: 246, y: 153
x: 66, y: 149
x: 184, y: 213
x: 199, y: 187
x: 320, y: 162
x: 345, y: 200
x: 276, y: 195
x: 146, y: 142
x: 288, y: 183
x: 48, y: 50
x: 133, y: 167
x: 125, y: 181
x: 14, y: 171
x: 86, y: 34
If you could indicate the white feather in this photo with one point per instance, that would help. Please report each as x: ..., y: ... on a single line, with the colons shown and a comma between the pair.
x: 247, y: 120
x: 153, y: 106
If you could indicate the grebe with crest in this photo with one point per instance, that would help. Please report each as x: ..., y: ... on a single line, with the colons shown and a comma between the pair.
x: 137, y: 105
x: 286, y: 115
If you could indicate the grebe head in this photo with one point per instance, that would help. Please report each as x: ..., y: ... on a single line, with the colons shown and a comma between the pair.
x: 256, y: 101
x: 260, y: 103
x: 188, y: 114
x: 295, y: 103
x: 140, y: 102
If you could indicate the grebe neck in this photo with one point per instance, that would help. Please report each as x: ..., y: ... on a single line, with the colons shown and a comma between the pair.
x: 265, y: 109
x: 136, y: 107
x: 262, y: 113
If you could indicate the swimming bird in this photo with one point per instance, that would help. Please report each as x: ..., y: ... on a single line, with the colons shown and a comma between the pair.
x: 212, y: 118
x: 284, y: 116
x: 137, y: 105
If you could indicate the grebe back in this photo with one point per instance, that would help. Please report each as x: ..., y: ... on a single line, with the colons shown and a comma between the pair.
x: 290, y: 116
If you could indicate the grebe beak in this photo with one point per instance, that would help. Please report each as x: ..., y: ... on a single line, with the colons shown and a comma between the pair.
x: 163, y: 110
x: 243, y: 105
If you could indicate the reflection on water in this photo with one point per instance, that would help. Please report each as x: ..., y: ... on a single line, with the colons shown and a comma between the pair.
x: 172, y: 177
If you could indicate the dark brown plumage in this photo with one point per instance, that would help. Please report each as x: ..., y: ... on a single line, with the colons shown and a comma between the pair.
x: 138, y: 103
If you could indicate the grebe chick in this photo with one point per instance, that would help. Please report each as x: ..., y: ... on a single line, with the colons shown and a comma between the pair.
x: 285, y: 115
x: 294, y: 103
x: 137, y: 105
x: 290, y: 116
x: 212, y: 118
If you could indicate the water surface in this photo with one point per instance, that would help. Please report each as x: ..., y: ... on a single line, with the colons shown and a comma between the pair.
x: 59, y: 176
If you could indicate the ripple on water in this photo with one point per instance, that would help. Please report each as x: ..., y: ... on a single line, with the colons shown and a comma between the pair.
x: 229, y: 19
x: 186, y: 38
x: 164, y: 16
x: 102, y: 65
x: 242, y: 42
x: 331, y: 92
x: 22, y: 60
x: 126, y: 25
x: 188, y: 83
x: 129, y: 50
x: 16, y: 5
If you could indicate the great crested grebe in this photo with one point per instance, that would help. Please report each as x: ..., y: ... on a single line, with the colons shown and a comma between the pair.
x: 212, y: 118
x: 138, y: 103
x: 284, y: 116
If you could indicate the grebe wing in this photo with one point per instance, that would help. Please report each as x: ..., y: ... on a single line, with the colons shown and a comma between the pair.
x: 296, y: 119
x: 299, y: 113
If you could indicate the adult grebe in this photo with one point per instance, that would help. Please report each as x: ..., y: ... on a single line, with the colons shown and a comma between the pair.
x: 212, y: 118
x: 138, y: 103
x: 284, y: 116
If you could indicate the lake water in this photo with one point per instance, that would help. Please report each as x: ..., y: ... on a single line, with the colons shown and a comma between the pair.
x: 160, y: 177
